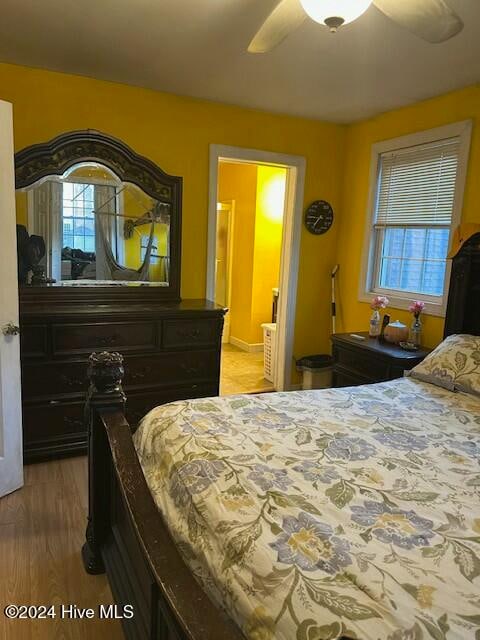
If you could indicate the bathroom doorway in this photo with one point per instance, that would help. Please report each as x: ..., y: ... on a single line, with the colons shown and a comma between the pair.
x: 254, y: 223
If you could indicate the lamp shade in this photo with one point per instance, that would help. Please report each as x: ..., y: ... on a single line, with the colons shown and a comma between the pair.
x: 334, y: 13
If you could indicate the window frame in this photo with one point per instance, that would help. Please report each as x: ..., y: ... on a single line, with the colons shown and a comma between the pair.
x: 75, y: 217
x: 434, y: 305
x: 100, y: 182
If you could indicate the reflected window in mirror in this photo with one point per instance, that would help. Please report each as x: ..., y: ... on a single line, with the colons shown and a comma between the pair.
x: 88, y: 227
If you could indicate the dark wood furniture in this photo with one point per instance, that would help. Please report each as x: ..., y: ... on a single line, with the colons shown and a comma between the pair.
x: 172, y: 351
x: 464, y: 294
x: 370, y: 360
x: 172, y: 348
x: 78, y: 147
x: 126, y: 535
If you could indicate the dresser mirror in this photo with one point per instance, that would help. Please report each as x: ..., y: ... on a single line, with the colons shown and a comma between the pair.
x: 89, y: 227
x: 93, y: 215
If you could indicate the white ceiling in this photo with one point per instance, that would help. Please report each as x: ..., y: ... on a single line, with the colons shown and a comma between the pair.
x: 198, y: 48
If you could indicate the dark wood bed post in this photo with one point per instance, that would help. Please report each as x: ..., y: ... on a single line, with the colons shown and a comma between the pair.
x: 126, y: 536
x: 105, y: 373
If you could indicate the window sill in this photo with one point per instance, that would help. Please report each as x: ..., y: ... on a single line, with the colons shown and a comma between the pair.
x: 396, y: 301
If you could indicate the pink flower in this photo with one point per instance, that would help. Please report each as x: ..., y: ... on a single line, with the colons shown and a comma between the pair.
x: 416, y: 308
x: 379, y: 302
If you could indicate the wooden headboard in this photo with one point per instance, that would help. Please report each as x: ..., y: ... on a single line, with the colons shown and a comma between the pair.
x: 463, y: 309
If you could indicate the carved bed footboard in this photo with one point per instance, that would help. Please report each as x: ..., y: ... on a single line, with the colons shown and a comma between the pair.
x: 126, y: 535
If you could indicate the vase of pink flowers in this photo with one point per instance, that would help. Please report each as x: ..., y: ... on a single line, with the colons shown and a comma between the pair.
x: 379, y: 302
x: 415, y: 333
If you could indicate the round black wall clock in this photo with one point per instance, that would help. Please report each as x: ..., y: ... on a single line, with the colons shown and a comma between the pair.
x: 319, y: 217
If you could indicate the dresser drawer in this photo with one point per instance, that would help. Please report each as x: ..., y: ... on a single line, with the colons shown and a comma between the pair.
x: 179, y: 367
x: 171, y: 352
x: 47, y: 379
x: 359, y: 359
x: 363, y: 363
x: 52, y: 420
x: 57, y: 428
x: 121, y: 336
x: 33, y: 340
x: 190, y: 333
x: 54, y: 379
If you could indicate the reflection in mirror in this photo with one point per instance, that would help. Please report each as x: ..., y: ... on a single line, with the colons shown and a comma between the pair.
x: 88, y: 227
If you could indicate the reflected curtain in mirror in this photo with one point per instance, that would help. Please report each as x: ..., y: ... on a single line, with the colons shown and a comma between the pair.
x: 45, y: 220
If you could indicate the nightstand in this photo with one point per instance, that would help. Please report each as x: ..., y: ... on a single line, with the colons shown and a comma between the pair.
x: 371, y: 360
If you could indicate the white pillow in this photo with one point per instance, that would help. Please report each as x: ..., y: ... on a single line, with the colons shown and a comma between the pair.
x: 453, y: 365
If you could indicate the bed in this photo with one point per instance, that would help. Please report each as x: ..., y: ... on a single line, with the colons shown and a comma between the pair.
x: 346, y: 513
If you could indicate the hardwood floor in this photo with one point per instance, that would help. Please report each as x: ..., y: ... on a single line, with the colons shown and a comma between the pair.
x: 42, y: 529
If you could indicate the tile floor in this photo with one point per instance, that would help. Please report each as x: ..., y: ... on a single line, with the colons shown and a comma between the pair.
x: 242, y: 372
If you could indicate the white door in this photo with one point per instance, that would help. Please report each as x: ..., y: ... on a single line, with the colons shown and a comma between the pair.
x: 11, y: 458
x: 223, y: 261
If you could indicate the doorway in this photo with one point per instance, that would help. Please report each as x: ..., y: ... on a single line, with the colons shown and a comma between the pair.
x: 253, y: 249
x: 224, y: 260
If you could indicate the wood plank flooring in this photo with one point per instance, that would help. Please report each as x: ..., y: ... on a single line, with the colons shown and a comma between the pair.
x: 42, y: 528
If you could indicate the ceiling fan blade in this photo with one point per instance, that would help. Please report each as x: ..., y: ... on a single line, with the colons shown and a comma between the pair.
x: 431, y: 20
x: 284, y: 19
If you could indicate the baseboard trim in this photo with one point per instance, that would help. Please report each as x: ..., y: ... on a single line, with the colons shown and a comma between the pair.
x: 246, y: 346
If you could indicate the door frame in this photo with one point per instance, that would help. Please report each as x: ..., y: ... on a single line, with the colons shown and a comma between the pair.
x: 228, y: 205
x: 292, y: 220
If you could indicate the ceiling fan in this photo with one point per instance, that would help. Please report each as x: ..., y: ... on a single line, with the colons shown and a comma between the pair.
x: 431, y: 20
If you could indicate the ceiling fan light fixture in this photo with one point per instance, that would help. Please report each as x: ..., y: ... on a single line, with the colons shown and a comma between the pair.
x: 335, y: 13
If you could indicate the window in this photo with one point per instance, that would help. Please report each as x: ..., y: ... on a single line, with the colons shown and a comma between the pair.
x: 416, y: 200
x: 78, y: 219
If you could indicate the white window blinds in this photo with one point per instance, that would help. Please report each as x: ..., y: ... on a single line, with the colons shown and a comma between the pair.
x: 416, y: 186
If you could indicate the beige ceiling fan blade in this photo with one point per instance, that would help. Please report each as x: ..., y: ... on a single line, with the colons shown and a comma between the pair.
x: 284, y: 19
x: 432, y: 20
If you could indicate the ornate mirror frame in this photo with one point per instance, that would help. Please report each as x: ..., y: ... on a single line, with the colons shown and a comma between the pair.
x: 54, y: 158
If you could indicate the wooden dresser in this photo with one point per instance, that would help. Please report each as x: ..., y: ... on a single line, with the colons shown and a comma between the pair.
x: 171, y: 350
x: 370, y: 360
x: 171, y: 347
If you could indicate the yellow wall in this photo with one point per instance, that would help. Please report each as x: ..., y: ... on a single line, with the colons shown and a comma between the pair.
x: 21, y: 205
x: 238, y: 182
x: 453, y: 107
x: 175, y: 132
x: 271, y: 183
x: 258, y: 193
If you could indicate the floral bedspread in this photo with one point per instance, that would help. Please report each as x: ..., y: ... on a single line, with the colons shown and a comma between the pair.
x: 320, y: 514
